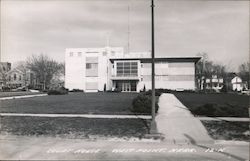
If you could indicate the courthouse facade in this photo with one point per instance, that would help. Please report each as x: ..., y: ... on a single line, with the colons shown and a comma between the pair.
x: 99, y: 69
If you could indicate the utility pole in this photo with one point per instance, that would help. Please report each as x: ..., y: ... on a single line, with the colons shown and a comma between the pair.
x: 153, y: 128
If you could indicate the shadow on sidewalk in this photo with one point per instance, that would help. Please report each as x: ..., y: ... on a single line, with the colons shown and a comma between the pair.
x: 193, y: 142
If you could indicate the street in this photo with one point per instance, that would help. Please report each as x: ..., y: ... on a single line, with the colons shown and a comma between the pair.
x: 49, y: 148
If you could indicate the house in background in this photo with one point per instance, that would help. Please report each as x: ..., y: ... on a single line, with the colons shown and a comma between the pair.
x: 237, y: 84
x: 97, y: 69
x: 18, y: 78
x: 215, y: 83
x: 4, y: 68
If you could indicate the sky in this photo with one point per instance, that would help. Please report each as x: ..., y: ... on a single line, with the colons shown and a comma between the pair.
x: 182, y: 28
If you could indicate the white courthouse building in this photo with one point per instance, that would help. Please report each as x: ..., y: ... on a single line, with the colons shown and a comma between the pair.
x: 108, y: 68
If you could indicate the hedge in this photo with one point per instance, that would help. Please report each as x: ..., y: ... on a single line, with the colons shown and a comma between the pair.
x: 214, y: 110
x: 59, y: 91
x: 143, y: 103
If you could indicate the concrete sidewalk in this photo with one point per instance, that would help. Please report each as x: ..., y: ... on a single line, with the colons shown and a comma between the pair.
x: 24, y: 96
x: 232, y: 119
x: 177, y: 123
x: 79, y: 115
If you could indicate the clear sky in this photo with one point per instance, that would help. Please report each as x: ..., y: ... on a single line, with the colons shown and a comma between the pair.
x: 182, y: 28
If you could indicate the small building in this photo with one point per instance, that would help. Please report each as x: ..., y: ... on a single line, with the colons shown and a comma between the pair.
x: 99, y: 69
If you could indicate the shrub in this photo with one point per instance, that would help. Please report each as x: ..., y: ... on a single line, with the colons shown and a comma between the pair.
x: 6, y: 89
x: 104, y: 88
x: 76, y: 90
x: 157, y: 92
x: 59, y: 91
x: 213, y: 110
x: 142, y: 104
x: 117, y: 90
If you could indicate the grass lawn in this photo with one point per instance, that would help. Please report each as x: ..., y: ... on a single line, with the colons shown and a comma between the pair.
x: 74, y: 127
x: 21, y: 93
x: 215, y: 104
x: 73, y: 103
x: 225, y: 130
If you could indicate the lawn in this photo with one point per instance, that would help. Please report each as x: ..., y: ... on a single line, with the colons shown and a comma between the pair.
x: 73, y: 103
x: 215, y: 104
x: 74, y: 127
x: 225, y: 130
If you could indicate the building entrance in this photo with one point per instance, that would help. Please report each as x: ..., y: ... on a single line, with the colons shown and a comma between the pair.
x: 126, y: 86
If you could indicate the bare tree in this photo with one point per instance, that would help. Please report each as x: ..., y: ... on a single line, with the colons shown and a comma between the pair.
x: 205, y: 69
x: 44, y: 68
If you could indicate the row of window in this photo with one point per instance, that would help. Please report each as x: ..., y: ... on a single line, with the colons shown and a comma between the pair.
x: 170, y: 64
x: 15, y: 77
x: 79, y: 54
x: 214, y: 85
x: 127, y: 69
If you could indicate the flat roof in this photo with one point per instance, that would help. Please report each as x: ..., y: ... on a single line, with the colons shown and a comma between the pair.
x: 157, y: 59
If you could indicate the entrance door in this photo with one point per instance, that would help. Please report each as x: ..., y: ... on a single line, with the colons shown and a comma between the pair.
x: 126, y: 87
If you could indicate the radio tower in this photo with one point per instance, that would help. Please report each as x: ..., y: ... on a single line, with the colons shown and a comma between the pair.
x: 128, y: 27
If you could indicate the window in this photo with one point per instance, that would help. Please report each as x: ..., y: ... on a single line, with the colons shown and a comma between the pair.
x: 9, y: 78
x: 127, y: 69
x: 79, y: 54
x: 71, y: 54
x: 91, y: 69
x: 20, y: 77
x: 91, y: 66
x: 14, y: 76
x: 88, y: 65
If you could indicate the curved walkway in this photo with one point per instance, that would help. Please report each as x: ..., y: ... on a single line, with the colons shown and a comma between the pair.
x: 177, y: 123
